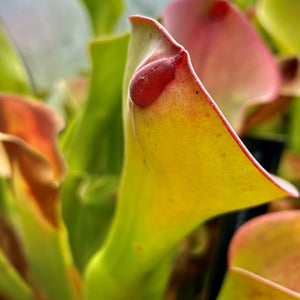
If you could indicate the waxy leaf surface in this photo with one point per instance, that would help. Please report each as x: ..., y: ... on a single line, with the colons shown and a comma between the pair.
x: 99, y: 150
x: 180, y: 139
x: 104, y: 15
x: 11, y: 283
x: 31, y: 148
x: 245, y: 4
x: 28, y: 132
x: 88, y: 209
x: 264, y: 258
x: 97, y: 136
x: 13, y: 266
x: 227, y: 54
x: 241, y: 284
x: 183, y: 163
x: 281, y: 20
x: 13, y: 77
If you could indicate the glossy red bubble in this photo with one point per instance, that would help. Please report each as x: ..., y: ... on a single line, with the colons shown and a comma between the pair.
x: 149, y: 82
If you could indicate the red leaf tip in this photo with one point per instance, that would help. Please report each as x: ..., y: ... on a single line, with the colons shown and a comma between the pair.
x: 219, y: 10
